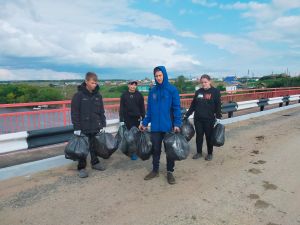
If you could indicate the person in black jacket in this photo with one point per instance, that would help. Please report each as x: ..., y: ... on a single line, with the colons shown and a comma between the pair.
x: 87, y: 114
x: 206, y: 106
x: 132, y: 108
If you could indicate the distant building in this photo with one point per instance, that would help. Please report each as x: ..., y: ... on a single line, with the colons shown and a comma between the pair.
x: 230, y: 79
x: 231, y: 88
x: 144, y: 88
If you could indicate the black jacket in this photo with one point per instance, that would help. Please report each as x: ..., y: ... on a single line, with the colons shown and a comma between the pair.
x: 87, y: 110
x: 206, y: 104
x: 131, y: 105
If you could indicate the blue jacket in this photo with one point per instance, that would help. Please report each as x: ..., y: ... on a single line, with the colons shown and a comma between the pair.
x: 163, y: 110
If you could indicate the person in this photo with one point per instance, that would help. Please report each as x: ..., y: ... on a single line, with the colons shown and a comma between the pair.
x: 132, y: 108
x: 163, y: 112
x: 87, y: 114
x: 207, y: 107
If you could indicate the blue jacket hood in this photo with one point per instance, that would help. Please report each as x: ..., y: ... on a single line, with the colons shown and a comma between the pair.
x: 166, y: 78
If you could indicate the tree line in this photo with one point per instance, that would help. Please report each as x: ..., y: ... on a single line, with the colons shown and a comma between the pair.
x: 19, y: 93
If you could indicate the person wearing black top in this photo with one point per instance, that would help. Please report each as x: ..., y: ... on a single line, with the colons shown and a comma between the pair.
x: 132, y: 108
x: 87, y: 114
x: 206, y: 106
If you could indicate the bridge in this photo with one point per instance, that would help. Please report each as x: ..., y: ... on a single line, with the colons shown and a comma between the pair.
x: 253, y: 179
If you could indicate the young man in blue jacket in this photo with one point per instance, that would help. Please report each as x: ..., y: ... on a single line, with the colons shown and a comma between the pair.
x: 163, y: 113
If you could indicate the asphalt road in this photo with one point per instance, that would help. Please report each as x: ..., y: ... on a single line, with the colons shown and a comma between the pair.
x: 254, y: 179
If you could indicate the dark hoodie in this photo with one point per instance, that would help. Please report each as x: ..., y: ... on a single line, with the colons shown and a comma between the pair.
x: 87, y: 110
x: 206, y: 104
x: 131, y: 105
x: 163, y: 110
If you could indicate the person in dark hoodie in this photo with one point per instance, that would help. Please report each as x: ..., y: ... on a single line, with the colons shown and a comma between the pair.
x: 87, y: 114
x: 163, y: 112
x: 132, y: 108
x: 207, y: 107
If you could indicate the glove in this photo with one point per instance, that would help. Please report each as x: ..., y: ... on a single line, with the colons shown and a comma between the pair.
x: 77, y: 132
x: 102, y: 130
x: 122, y: 123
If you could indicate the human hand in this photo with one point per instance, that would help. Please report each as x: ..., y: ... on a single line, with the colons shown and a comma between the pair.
x: 176, y: 129
x: 142, y: 128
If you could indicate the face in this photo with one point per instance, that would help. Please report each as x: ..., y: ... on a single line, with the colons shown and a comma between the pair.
x: 159, y: 77
x: 132, y: 87
x: 205, y: 83
x: 91, y: 84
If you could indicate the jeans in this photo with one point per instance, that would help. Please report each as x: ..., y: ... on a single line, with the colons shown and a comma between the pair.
x: 157, y: 138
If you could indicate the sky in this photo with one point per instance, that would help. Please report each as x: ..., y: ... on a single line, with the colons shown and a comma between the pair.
x: 126, y: 39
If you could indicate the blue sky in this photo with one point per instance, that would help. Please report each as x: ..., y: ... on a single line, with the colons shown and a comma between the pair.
x: 127, y: 38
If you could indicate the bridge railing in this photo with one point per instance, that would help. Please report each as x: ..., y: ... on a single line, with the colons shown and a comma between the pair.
x: 57, y: 113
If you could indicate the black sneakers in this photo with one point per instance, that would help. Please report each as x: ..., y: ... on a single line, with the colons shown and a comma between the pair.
x: 98, y: 166
x: 197, y: 156
x: 170, y: 178
x: 151, y: 175
x: 209, y: 157
x: 83, y: 173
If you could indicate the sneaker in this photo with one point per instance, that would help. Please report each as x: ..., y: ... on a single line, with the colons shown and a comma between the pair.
x: 197, y: 156
x: 151, y: 175
x: 133, y: 156
x: 170, y: 178
x: 209, y: 157
x: 83, y: 173
x: 98, y: 166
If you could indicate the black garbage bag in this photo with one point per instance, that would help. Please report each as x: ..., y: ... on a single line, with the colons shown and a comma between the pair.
x: 77, y: 148
x: 131, y: 139
x: 105, y: 144
x: 187, y: 129
x: 123, y: 145
x: 218, y: 137
x: 144, y: 145
x: 176, y: 146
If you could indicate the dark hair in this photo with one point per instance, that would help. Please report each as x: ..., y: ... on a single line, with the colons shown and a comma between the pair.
x: 91, y: 75
x: 156, y: 69
x: 205, y: 76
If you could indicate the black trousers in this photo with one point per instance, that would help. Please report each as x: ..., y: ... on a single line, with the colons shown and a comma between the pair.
x: 157, y: 138
x: 132, y: 121
x: 94, y: 158
x: 204, y: 127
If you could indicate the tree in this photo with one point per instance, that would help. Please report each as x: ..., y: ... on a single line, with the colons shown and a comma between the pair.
x: 180, y: 83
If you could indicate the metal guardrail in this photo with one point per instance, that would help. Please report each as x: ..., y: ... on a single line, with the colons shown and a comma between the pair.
x: 43, y: 137
x: 261, y: 103
x: 58, y: 112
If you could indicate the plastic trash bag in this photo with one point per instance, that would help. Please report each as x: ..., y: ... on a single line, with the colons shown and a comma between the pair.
x: 131, y: 139
x: 144, y: 145
x: 187, y: 129
x: 176, y: 146
x: 105, y: 145
x: 77, y: 148
x: 123, y: 145
x: 218, y: 137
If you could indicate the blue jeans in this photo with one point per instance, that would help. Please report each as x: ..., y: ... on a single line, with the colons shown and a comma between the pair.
x: 157, y: 138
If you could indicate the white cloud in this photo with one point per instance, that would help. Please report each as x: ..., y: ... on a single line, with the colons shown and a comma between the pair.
x: 205, y: 3
x: 86, y: 33
x: 237, y: 46
x: 36, y: 74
